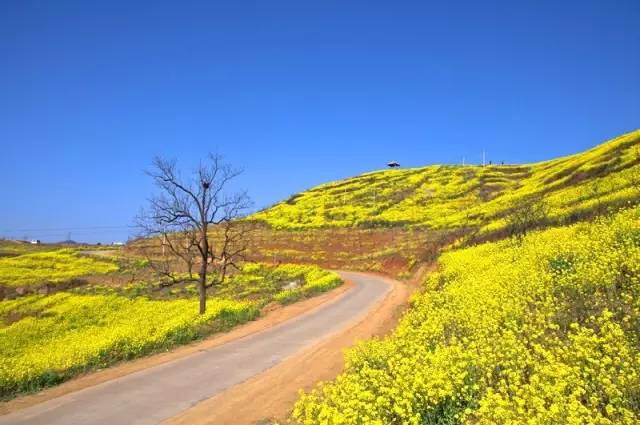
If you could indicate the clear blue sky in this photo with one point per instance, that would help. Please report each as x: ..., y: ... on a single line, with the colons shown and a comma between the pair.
x: 297, y: 93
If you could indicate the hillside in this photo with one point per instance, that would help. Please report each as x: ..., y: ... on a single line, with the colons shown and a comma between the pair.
x: 455, y: 196
x: 538, y: 328
x: 544, y: 330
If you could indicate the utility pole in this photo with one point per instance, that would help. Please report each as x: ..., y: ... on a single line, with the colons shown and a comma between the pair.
x: 483, y: 158
x: 463, y: 161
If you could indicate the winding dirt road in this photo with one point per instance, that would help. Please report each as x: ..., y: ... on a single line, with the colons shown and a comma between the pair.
x: 217, y: 380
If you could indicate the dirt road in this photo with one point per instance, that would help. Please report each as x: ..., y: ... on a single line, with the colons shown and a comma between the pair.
x: 159, y: 393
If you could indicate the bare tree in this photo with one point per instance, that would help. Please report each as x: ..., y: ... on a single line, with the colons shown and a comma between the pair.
x: 184, y: 245
x: 173, y: 250
x: 197, y: 212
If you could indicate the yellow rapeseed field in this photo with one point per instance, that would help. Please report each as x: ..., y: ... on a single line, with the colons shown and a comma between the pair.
x: 50, y: 267
x: 46, y: 339
x: 542, y: 331
x: 456, y: 196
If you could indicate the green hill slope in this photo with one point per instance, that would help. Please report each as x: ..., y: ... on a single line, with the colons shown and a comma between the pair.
x: 451, y: 196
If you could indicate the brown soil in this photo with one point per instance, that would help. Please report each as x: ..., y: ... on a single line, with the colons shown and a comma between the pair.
x: 271, y: 394
x: 394, y: 250
x: 271, y: 318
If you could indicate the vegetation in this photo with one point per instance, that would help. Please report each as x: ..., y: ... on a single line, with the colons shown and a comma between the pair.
x: 300, y: 281
x: 450, y: 196
x: 61, y: 335
x: 542, y: 330
x: 46, y: 339
x: 50, y: 267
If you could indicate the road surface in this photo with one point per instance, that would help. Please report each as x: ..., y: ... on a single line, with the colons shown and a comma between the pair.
x: 161, y: 392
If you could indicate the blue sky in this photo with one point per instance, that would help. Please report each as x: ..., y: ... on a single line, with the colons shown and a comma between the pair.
x: 297, y: 93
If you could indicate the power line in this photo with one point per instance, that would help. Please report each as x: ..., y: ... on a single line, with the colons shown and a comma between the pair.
x: 69, y: 229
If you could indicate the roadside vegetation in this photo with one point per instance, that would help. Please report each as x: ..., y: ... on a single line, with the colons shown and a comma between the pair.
x: 544, y: 328
x: 46, y: 339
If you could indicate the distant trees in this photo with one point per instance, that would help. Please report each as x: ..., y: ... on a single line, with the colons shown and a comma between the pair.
x: 196, y: 220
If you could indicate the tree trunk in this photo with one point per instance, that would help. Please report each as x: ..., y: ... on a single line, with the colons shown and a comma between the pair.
x: 202, y: 289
